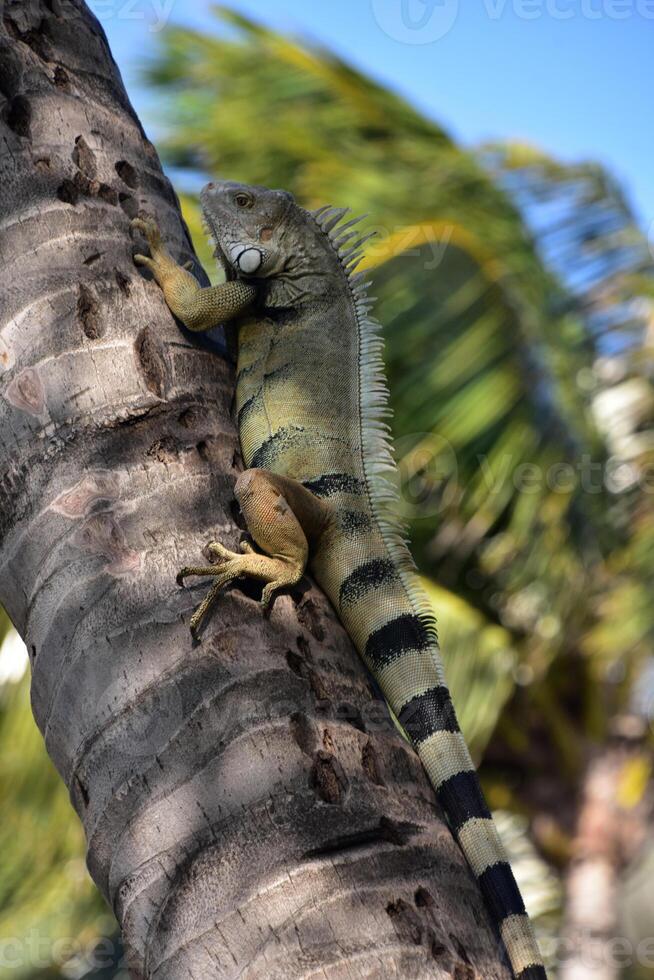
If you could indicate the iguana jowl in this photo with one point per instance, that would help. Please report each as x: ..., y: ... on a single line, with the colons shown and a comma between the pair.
x: 311, y: 402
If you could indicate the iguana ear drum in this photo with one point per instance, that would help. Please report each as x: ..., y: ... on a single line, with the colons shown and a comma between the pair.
x: 246, y: 258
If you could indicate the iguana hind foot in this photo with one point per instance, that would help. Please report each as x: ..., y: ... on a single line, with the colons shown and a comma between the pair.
x: 275, y: 527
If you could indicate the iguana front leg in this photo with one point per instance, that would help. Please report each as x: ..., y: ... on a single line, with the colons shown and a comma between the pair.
x: 198, y: 307
x: 284, y: 518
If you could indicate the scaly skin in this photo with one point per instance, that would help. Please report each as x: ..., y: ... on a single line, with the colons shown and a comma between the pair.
x: 310, y: 399
x: 198, y: 308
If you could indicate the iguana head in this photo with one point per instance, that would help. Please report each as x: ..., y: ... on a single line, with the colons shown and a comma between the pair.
x: 248, y: 225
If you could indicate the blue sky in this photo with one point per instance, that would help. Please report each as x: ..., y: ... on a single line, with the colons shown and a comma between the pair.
x: 574, y: 77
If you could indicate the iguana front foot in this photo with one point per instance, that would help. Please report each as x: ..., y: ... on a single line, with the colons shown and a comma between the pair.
x: 160, y: 262
x: 199, y: 308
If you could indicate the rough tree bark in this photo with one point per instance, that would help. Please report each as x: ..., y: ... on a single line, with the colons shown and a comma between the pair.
x: 611, y: 828
x: 249, y: 809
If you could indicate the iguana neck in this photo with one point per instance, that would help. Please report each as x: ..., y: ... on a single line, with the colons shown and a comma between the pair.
x: 312, y: 272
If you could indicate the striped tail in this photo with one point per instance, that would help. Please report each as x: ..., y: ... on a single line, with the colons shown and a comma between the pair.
x: 430, y: 722
x: 385, y: 618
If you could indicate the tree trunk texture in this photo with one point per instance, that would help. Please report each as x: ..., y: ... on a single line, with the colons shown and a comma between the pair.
x: 612, y: 825
x: 249, y: 809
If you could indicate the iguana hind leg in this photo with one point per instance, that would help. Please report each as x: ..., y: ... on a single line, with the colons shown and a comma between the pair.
x: 283, y: 518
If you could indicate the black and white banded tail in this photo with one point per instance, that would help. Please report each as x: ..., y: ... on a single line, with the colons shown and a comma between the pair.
x: 377, y: 605
x: 430, y: 722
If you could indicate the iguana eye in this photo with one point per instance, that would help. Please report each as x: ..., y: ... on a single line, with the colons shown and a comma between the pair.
x: 243, y: 200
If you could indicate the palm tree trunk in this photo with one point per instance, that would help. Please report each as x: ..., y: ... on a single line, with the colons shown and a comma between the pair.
x: 612, y: 825
x: 591, y: 906
x: 249, y: 809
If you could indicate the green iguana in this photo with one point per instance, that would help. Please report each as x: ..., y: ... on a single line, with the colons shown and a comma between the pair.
x: 311, y: 403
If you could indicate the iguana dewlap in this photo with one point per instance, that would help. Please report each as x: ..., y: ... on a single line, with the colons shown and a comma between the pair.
x: 311, y: 403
